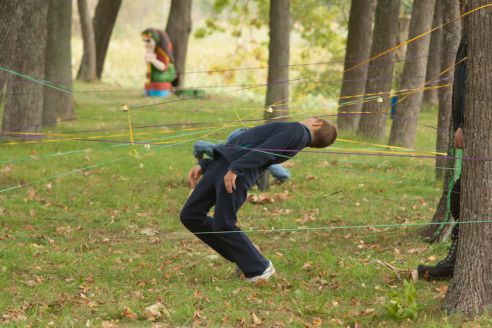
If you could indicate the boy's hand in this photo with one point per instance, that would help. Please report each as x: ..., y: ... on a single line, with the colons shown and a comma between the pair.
x: 194, y: 175
x: 230, y: 181
x: 459, y: 139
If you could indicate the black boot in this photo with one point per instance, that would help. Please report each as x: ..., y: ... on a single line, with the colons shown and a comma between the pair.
x: 443, y: 269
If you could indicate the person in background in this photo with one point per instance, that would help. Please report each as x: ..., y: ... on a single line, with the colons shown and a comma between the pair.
x: 444, y: 269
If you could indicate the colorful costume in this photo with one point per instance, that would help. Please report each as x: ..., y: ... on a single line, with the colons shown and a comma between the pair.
x: 160, y: 68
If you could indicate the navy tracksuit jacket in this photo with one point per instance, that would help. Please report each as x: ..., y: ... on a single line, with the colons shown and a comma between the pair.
x: 247, y: 155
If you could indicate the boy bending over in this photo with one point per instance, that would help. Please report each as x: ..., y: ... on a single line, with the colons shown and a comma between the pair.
x: 228, y: 176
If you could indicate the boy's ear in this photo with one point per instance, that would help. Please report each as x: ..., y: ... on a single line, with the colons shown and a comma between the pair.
x: 318, y: 122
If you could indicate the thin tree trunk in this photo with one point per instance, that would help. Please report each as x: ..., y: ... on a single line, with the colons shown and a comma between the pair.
x: 10, y: 16
x: 24, y: 112
x: 178, y: 28
x: 87, y: 70
x: 278, y: 59
x: 404, y: 127
x: 380, y: 71
x: 103, y: 23
x: 58, y: 65
x: 277, y: 96
x: 451, y: 37
x: 471, y: 289
x: 358, y: 48
x: 434, y: 60
x: 403, y: 26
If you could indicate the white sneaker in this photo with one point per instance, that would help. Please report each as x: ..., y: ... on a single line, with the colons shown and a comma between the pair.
x: 270, y: 271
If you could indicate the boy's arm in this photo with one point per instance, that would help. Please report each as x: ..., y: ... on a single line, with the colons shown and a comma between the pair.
x: 267, y: 152
x: 458, y: 97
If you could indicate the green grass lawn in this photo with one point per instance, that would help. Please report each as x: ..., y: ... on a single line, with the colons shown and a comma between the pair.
x: 94, y: 237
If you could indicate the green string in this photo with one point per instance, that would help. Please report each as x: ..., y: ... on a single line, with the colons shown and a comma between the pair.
x: 304, y: 229
x: 31, y: 78
x: 458, y: 154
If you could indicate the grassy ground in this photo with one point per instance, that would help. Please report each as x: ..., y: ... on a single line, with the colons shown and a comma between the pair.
x: 96, y: 247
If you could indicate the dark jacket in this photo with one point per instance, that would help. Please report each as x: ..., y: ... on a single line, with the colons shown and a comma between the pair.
x: 458, y: 100
x: 259, y: 147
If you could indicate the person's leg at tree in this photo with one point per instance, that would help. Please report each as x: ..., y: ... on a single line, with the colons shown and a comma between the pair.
x: 444, y: 269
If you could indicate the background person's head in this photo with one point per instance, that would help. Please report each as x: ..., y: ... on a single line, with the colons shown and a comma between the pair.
x: 323, y: 132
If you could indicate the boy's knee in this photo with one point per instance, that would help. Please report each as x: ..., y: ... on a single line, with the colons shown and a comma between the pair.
x: 185, y: 215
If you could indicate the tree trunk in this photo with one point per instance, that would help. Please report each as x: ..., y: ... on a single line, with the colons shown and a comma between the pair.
x: 451, y: 37
x: 380, y: 71
x: 26, y: 46
x: 178, y: 28
x: 358, y: 48
x: 103, y: 23
x: 404, y: 127
x: 403, y: 27
x: 58, y: 64
x: 277, y: 96
x: 87, y: 70
x: 471, y: 289
x: 434, y: 60
x: 10, y: 16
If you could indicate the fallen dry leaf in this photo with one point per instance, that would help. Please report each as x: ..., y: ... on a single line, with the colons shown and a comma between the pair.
x: 307, y: 266
x: 110, y: 324
x: 256, y: 320
x: 317, y: 322
x: 156, y: 311
x: 128, y: 313
x: 260, y: 199
x: 148, y: 232
x: 442, y: 291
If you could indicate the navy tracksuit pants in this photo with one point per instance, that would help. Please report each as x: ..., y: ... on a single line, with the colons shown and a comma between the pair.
x: 232, y: 244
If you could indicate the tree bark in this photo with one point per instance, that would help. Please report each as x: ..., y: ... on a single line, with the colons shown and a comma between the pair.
x: 434, y: 60
x: 471, y: 289
x: 403, y: 27
x: 103, y: 24
x: 58, y: 64
x: 358, y: 48
x: 380, y: 71
x: 10, y: 15
x: 178, y: 28
x: 277, y: 96
x: 451, y: 38
x: 24, y: 106
x: 404, y: 127
x: 87, y: 70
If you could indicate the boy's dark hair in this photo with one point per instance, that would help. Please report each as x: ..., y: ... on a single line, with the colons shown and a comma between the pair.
x: 324, y: 136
